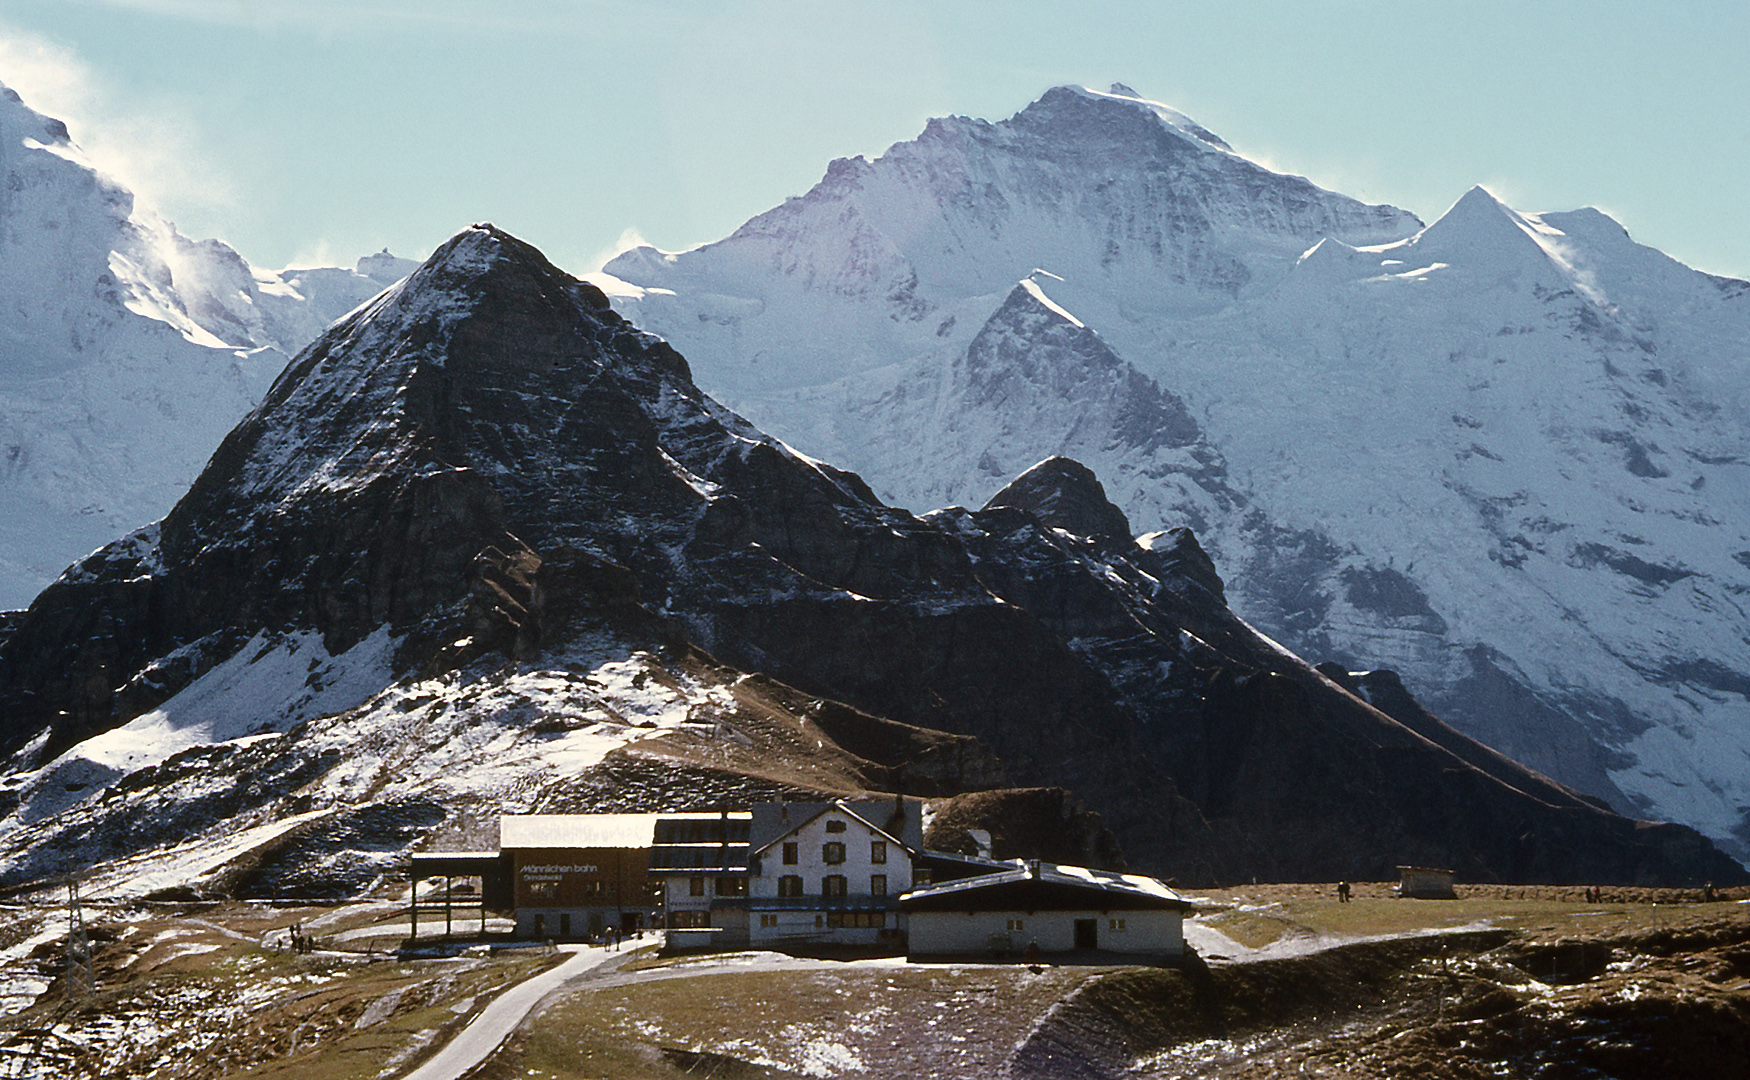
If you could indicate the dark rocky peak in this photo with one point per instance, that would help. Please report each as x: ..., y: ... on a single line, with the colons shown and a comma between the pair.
x: 490, y: 403
x: 1065, y: 494
x: 1175, y: 555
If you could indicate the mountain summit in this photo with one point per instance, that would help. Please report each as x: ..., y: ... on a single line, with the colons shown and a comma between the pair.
x: 1501, y: 455
x: 486, y: 543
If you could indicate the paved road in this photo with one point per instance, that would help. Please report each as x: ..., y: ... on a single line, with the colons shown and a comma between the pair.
x: 478, y: 1040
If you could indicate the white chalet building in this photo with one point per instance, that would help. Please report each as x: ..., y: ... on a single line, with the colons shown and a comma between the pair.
x: 830, y: 873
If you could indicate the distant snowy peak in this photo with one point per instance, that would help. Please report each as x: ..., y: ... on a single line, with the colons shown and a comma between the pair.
x: 127, y: 350
x: 1171, y: 117
x: 1053, y: 108
x: 19, y: 121
x: 1503, y: 454
x: 1033, y: 351
x: 69, y: 224
x: 1136, y: 208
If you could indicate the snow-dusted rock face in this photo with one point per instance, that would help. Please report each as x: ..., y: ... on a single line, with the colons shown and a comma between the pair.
x: 1504, y: 455
x: 126, y: 350
x: 911, y: 253
x: 484, y: 530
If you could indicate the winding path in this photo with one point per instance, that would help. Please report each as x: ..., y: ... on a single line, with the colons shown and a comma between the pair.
x: 476, y: 1042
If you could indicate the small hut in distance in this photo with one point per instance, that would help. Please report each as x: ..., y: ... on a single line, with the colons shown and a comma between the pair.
x: 1425, y: 883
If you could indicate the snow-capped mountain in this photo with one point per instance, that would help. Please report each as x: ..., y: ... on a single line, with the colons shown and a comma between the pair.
x: 1504, y: 454
x: 126, y: 349
x: 485, y: 544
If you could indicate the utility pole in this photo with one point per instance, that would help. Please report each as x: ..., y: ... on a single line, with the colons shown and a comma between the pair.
x: 81, y: 979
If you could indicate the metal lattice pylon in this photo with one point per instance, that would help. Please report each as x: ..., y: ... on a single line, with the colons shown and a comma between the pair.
x: 81, y: 979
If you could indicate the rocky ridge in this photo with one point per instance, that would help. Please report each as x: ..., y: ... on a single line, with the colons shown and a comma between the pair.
x: 486, y: 544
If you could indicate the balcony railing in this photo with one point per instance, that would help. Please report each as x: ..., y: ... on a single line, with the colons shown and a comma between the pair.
x: 823, y: 903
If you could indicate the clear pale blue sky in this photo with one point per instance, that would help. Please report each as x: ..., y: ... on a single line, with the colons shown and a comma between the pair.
x: 295, y: 129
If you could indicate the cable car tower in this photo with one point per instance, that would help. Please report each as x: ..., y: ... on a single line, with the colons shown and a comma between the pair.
x: 81, y: 979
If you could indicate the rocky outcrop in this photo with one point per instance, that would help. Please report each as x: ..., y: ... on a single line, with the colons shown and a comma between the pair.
x: 1064, y: 494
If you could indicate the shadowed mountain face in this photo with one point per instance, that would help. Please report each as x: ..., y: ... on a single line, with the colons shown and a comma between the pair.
x: 486, y: 458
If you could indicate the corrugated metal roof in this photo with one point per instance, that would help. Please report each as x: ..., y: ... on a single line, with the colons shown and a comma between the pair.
x: 600, y: 830
x: 577, y: 830
x: 1035, y: 875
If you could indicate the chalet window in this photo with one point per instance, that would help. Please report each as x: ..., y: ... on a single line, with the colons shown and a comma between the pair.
x: 1114, y: 924
x: 696, y: 886
x: 1015, y: 924
x: 920, y: 876
x: 833, y: 852
x: 835, y: 826
x: 832, y: 885
x: 731, y: 885
x: 790, y: 885
x: 860, y: 920
x: 790, y: 853
x: 877, y: 851
x: 877, y: 884
x: 689, y: 920
x: 768, y: 921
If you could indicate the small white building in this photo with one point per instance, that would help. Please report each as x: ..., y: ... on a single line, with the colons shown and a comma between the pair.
x: 831, y: 873
x: 1061, y: 908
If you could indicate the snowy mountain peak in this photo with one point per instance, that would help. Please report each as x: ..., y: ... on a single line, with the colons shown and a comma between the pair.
x: 1481, y: 227
x: 1171, y: 118
x: 127, y: 350
x: 1502, y: 453
x: 19, y: 121
x: 1078, y: 114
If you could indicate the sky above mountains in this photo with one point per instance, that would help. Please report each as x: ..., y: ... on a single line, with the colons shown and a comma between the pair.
x: 319, y: 130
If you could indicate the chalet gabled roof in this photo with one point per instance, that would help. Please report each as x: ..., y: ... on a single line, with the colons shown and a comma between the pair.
x: 810, y: 812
